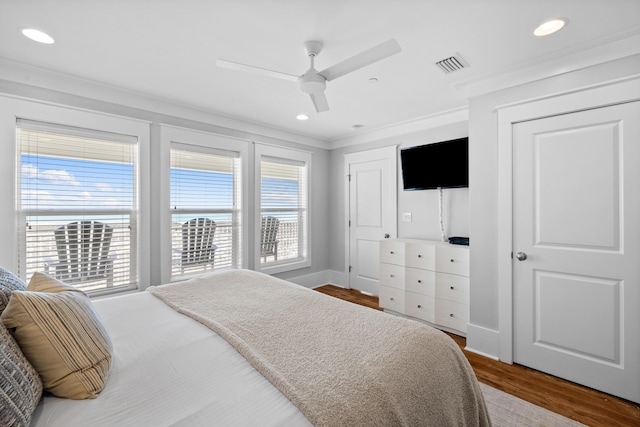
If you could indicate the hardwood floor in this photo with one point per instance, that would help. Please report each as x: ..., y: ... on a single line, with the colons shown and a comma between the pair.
x: 574, y: 401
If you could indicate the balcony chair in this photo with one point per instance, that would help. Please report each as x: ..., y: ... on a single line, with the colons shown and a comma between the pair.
x: 268, y: 233
x: 197, y: 243
x: 83, y: 253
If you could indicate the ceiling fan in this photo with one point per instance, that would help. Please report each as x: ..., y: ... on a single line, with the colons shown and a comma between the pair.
x: 314, y: 82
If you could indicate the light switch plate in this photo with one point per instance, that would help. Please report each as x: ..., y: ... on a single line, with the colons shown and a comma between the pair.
x: 406, y: 217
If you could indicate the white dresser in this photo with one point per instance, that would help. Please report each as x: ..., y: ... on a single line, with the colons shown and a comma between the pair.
x: 426, y: 280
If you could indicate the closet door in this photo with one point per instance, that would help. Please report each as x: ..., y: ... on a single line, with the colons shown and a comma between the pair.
x: 372, y: 213
x: 576, y: 263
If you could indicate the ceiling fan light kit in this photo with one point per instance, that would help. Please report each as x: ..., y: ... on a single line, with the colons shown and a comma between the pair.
x: 314, y: 82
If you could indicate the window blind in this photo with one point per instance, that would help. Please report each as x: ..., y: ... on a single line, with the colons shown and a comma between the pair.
x: 283, y: 195
x: 77, y: 205
x: 205, y: 186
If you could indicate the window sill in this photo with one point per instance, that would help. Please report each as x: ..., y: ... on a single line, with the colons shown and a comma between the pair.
x: 281, y: 267
x: 106, y: 293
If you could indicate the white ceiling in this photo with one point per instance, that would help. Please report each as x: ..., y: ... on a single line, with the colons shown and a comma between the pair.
x: 167, y: 49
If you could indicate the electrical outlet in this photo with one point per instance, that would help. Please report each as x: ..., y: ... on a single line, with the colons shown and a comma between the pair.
x: 406, y: 217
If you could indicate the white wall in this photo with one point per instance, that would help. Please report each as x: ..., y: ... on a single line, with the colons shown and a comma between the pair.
x: 422, y: 204
x: 483, y: 335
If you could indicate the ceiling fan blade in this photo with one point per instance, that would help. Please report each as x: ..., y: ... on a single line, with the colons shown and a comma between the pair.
x: 256, y: 70
x: 320, y: 101
x: 375, y: 54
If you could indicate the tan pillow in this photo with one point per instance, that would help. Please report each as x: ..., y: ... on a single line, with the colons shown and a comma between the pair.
x: 41, y: 282
x: 62, y: 337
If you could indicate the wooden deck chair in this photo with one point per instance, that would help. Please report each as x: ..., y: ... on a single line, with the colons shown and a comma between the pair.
x: 83, y: 253
x: 197, y: 243
x: 268, y: 237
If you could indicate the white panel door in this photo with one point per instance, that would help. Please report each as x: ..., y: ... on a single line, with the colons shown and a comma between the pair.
x: 576, y: 195
x: 372, y: 215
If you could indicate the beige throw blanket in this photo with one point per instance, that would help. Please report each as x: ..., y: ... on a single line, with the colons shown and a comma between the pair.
x: 340, y: 364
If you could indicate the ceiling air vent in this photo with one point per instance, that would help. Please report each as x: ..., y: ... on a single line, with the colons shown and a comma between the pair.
x: 451, y: 64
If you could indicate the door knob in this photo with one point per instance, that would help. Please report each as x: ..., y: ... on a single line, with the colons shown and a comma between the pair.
x: 521, y: 256
x: 386, y: 235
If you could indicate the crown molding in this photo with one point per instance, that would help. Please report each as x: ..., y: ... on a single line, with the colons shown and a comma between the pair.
x: 617, y: 47
x: 443, y: 118
x: 24, y: 74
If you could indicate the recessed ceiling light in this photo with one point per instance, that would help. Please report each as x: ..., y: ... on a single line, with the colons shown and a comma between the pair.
x: 357, y: 126
x: 550, y: 27
x: 302, y: 117
x: 37, y: 35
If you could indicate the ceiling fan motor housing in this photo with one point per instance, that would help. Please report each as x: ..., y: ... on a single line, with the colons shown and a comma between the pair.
x: 312, y: 82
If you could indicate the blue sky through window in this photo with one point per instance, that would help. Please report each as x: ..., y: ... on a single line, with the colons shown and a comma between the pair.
x: 279, y: 193
x: 54, y: 183
x: 193, y: 189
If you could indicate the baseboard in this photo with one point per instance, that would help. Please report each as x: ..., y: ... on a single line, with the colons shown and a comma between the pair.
x: 483, y: 341
x: 321, y: 278
x: 311, y: 280
x: 339, y: 278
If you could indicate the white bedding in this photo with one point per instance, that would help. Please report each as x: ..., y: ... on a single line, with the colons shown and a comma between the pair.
x: 169, y: 370
x: 341, y: 364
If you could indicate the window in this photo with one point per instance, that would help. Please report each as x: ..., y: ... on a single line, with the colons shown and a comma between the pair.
x: 204, y: 209
x: 202, y: 197
x: 282, y: 195
x: 77, y: 207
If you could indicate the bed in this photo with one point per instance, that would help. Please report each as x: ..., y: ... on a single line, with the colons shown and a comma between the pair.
x: 240, y: 348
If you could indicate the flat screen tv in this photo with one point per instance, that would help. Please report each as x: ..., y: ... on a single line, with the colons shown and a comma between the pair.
x: 442, y: 164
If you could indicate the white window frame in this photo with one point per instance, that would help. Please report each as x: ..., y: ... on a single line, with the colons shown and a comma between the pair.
x: 169, y: 135
x: 12, y: 109
x: 267, y: 151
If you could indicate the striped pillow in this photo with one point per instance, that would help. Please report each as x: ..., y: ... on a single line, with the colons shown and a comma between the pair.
x: 41, y: 282
x: 20, y: 385
x: 62, y: 336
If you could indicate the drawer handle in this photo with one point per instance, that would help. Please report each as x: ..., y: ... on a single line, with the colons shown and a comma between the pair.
x: 392, y: 252
x: 451, y: 260
x: 419, y: 256
x: 451, y: 315
x: 451, y: 288
x: 419, y: 281
x: 391, y: 275
x: 394, y: 300
x: 419, y: 306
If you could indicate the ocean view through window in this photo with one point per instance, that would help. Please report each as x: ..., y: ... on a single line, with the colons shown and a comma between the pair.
x: 205, y: 209
x: 77, y: 207
x: 283, y: 211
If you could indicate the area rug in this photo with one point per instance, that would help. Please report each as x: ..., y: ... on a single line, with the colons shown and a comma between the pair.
x: 506, y: 410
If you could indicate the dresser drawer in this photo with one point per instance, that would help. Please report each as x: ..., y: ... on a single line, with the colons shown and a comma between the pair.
x: 392, y: 275
x: 452, y: 314
x: 454, y: 260
x: 420, y: 281
x: 426, y: 280
x: 420, y: 255
x: 452, y: 287
x: 392, y: 251
x: 420, y: 306
x: 392, y: 299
